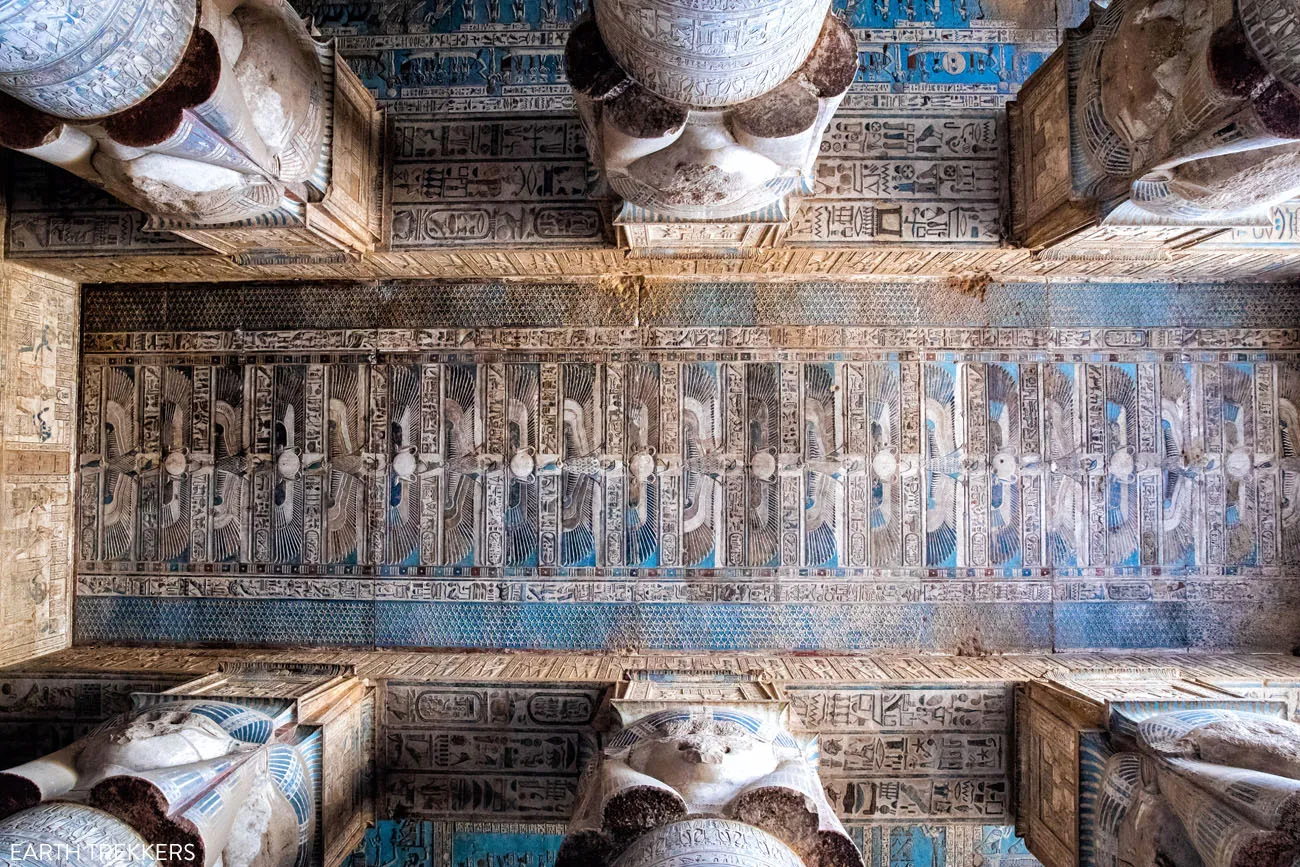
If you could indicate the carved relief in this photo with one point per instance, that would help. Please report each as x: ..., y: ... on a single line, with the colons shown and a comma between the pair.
x: 676, y: 754
x: 810, y: 463
x: 693, y: 116
x: 506, y: 750
x: 228, y: 116
x: 37, y: 496
x: 1180, y: 115
x: 206, y: 777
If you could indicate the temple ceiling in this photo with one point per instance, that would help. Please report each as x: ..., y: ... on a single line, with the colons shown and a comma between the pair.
x: 717, y: 466
x: 933, y: 436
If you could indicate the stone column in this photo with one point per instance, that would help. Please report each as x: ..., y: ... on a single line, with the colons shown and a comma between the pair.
x: 706, y: 117
x: 696, y: 771
x: 1160, y: 114
x: 200, y: 780
x: 1218, y: 787
x: 212, y: 118
x: 1144, y: 768
x: 94, y: 60
x: 233, y: 768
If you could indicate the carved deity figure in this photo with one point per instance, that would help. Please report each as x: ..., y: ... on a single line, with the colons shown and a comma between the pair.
x: 205, y: 779
x: 696, y: 112
x: 206, y: 114
x: 1203, y: 788
x: 757, y: 785
x: 1187, y: 110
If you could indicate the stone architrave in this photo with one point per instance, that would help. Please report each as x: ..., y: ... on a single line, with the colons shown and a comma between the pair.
x: 1158, y: 114
x: 225, y: 122
x: 706, y: 118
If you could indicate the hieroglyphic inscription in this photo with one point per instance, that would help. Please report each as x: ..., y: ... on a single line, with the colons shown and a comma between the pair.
x: 912, y: 752
x: 480, y: 749
x: 38, y: 420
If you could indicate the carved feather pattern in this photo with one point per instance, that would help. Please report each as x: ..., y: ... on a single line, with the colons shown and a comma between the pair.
x: 1238, y: 449
x: 1064, y: 488
x: 701, y: 435
x: 641, y: 525
x: 229, y: 461
x: 821, y: 491
x: 404, y: 495
x: 886, y: 524
x: 522, y: 495
x: 943, y: 464
x: 1004, y: 440
x: 121, y: 443
x: 461, y: 436
x: 346, y: 480
x: 1178, y: 509
x: 289, y: 495
x: 579, y: 489
x: 763, y: 518
x: 1121, y: 482
x: 177, y: 418
x: 1204, y: 452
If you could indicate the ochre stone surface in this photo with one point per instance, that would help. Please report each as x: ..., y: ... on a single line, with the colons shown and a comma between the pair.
x: 38, y: 391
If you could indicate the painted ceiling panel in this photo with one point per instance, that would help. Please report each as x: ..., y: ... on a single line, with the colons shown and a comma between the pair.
x: 496, y: 475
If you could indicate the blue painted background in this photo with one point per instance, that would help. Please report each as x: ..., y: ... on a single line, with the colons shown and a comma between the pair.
x: 918, y: 47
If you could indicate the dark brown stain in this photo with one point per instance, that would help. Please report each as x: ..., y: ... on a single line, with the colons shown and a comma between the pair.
x: 159, y: 117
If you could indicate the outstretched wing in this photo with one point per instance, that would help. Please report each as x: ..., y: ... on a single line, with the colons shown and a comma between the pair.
x: 1004, y: 444
x: 701, y: 434
x: 763, y: 512
x: 287, y: 535
x: 942, y: 465
x: 883, y: 393
x: 121, y: 439
x: 459, y: 413
x: 641, y: 525
x: 228, y: 457
x: 578, y: 490
x: 1064, y: 490
x: 1178, y: 509
x: 404, y: 494
x: 1121, y: 488
x: 521, y: 519
x: 821, y: 492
